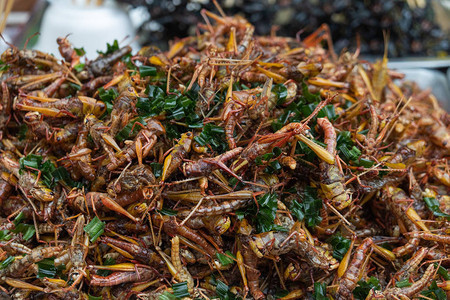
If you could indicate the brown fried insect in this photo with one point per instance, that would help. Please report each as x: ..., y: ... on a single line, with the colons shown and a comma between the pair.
x: 141, y: 274
x: 205, y: 166
x: 57, y: 108
x: 103, y: 64
x: 20, y: 266
x: 142, y: 145
x: 351, y: 276
x: 396, y: 200
x: 67, y: 51
x: 332, y: 181
x: 412, y: 264
x: 143, y: 255
x: 80, y: 156
x: 175, y: 158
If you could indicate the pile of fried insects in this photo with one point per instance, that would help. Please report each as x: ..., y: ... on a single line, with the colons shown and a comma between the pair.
x: 232, y: 166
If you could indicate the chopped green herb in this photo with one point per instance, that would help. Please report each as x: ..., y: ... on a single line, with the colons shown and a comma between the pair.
x: 320, y: 291
x: 31, y: 161
x: 223, y: 291
x: 127, y: 59
x: 280, y: 90
x: 180, y: 290
x: 94, y: 229
x: 344, y: 138
x: 46, y: 268
x: 273, y: 165
x: 302, y: 107
x: 281, y: 121
x: 90, y: 297
x: 280, y: 294
x: 109, y: 261
x: 110, y: 48
x: 22, y: 134
x: 349, y: 154
x: 50, y: 175
x: 442, y: 271
x: 147, y: 71
x: 297, y: 210
x: 260, y: 160
x: 265, y: 157
x: 108, y: 95
x: 364, y: 132
x: 174, y: 105
x: 131, y: 129
x: 178, y: 113
x: 5, y: 235
x: 305, y: 152
x: 308, y: 96
x: 225, y: 259
x: 363, y: 288
x: 75, y: 86
x: 433, y: 205
x: 167, y: 296
x: 307, y: 109
x: 240, y: 214
x: 328, y: 111
x: 276, y: 151
x: 340, y: 246
x: 156, y: 168
x: 363, y: 162
x: 265, y: 217
x: 214, y: 136
x: 79, y: 67
x: 3, y: 66
x: 61, y: 174
x: 26, y: 230
x: 172, y: 130
x: 311, y: 206
x: 235, y: 183
x: 6, y: 262
x: 19, y: 218
x: 266, y: 213
x: 403, y: 283
x: 168, y: 212
x: 47, y: 168
x: 349, y: 151
x: 263, y: 214
x: 434, y: 292
x: 80, y: 51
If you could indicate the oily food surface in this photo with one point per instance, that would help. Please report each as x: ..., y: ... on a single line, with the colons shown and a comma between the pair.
x: 230, y: 166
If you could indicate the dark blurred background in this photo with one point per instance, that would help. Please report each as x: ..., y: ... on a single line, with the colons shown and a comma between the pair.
x: 417, y: 28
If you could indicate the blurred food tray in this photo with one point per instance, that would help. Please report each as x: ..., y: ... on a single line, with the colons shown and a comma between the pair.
x: 429, y: 73
x: 416, y: 63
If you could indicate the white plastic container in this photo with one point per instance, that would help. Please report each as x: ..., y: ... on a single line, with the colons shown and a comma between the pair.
x: 90, y: 26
